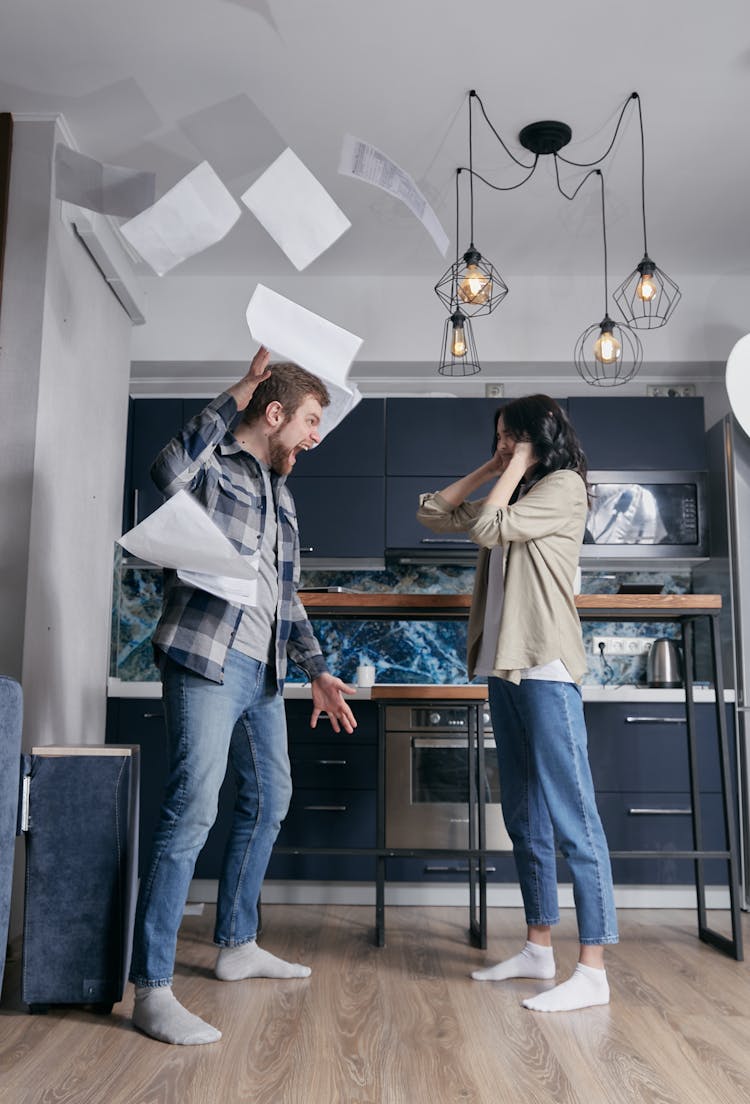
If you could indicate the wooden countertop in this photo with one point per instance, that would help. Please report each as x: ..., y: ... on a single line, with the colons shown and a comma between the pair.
x: 436, y: 606
x: 408, y: 692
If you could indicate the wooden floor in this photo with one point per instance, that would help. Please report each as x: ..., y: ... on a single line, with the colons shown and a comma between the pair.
x: 405, y: 1024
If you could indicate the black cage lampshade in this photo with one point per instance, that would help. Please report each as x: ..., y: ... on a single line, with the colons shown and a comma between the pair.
x: 458, y: 356
x: 647, y: 297
x: 607, y: 354
x: 474, y: 281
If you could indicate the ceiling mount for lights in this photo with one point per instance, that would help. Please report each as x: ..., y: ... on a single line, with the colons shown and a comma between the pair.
x: 548, y: 136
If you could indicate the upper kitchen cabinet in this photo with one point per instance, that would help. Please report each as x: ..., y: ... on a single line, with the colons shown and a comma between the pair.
x: 339, y: 489
x: 636, y: 434
x: 429, y: 443
x: 152, y: 423
x: 434, y: 437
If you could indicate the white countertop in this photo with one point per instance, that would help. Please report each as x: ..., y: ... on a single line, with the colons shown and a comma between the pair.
x: 644, y: 694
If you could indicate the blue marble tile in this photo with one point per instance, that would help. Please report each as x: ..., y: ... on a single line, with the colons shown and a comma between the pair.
x: 400, y: 651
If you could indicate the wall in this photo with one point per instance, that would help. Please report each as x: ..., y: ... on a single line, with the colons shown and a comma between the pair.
x: 64, y: 370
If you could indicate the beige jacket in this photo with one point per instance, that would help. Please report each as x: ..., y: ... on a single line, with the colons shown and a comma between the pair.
x: 542, y: 535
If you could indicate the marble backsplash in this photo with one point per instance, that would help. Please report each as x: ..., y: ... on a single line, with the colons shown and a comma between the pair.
x: 400, y: 651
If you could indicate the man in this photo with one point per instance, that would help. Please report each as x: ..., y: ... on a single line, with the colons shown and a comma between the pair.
x: 223, y: 668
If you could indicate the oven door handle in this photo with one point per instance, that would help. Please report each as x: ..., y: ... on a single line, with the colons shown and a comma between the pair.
x: 438, y: 744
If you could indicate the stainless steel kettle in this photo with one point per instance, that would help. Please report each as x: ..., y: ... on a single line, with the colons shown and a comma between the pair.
x: 664, y: 666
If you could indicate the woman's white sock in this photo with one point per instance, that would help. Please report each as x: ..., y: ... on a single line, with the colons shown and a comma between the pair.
x: 534, y: 961
x: 586, y: 987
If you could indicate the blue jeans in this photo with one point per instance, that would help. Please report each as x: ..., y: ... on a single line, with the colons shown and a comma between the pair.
x: 547, y: 796
x: 241, y: 721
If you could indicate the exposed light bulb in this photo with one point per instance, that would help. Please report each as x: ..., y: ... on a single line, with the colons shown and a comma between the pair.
x: 458, y: 347
x: 646, y: 288
x: 607, y: 348
x: 474, y: 286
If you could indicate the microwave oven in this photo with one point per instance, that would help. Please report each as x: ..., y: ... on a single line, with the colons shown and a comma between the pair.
x: 637, y: 514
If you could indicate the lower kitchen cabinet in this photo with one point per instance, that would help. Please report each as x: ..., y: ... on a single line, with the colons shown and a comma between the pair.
x: 334, y: 776
x: 638, y: 757
x: 639, y: 762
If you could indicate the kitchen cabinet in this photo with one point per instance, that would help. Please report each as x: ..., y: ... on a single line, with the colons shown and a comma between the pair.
x: 151, y: 424
x: 339, y: 489
x: 430, y: 443
x: 640, y: 433
x: 639, y: 762
x: 334, y: 776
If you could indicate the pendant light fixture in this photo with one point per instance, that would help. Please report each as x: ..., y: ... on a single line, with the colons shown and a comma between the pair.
x: 647, y: 297
x: 607, y: 354
x: 458, y: 356
x: 473, y: 282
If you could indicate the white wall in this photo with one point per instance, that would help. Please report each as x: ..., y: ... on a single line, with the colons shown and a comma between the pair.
x: 64, y: 370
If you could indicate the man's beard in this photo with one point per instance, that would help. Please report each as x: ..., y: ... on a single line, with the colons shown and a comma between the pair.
x: 278, y: 455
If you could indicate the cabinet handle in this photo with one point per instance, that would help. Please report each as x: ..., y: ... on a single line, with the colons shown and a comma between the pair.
x: 325, y: 808
x: 331, y: 762
x: 310, y: 549
x: 655, y: 720
x: 454, y: 869
x: 153, y: 716
x: 136, y: 504
x: 660, y: 812
x: 445, y: 540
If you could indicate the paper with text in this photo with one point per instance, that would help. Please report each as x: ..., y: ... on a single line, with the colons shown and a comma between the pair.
x: 366, y: 162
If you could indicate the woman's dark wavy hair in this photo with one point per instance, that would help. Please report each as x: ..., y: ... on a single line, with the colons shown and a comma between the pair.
x: 540, y: 420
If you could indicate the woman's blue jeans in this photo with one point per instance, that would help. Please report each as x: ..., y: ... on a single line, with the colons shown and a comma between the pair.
x: 548, y: 797
x: 241, y: 721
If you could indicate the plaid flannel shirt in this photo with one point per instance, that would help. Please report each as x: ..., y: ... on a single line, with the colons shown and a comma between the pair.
x: 196, y: 629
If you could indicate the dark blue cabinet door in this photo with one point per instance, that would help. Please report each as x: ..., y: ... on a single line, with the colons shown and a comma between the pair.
x: 339, y: 516
x: 640, y: 433
x: 356, y: 447
x: 402, y: 528
x: 435, y: 437
x: 153, y: 422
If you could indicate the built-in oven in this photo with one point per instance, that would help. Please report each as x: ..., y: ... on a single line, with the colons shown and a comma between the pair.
x: 427, y: 777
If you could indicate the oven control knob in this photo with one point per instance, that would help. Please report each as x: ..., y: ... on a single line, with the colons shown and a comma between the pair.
x: 435, y: 718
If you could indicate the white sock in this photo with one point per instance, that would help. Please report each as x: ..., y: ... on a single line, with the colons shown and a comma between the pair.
x: 158, y: 1013
x: 249, y: 961
x: 587, y: 986
x: 534, y: 961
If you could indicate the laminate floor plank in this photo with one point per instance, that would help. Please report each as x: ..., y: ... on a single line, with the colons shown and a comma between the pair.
x: 405, y: 1024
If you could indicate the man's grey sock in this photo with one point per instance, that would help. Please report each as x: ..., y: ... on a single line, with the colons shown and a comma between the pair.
x: 158, y: 1013
x: 248, y: 960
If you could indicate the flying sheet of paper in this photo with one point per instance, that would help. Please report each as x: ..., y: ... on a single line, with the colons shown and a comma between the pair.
x: 181, y: 535
x: 301, y: 336
x: 343, y: 401
x: 197, y: 212
x: 367, y: 163
x: 106, y: 189
x: 295, y: 209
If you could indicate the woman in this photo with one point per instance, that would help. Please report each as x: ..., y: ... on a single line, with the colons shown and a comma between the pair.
x: 525, y: 636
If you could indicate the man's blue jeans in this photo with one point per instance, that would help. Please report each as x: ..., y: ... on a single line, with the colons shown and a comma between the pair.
x: 243, y: 721
x: 548, y: 795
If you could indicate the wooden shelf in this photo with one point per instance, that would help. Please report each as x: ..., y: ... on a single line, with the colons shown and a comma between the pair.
x: 415, y: 607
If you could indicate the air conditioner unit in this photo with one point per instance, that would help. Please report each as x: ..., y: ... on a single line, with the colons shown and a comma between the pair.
x: 110, y: 258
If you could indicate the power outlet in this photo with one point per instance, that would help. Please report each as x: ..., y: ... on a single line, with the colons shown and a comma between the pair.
x: 623, y: 645
x: 494, y: 390
x: 671, y: 390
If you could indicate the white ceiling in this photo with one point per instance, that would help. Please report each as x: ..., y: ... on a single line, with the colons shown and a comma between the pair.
x: 163, y: 85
